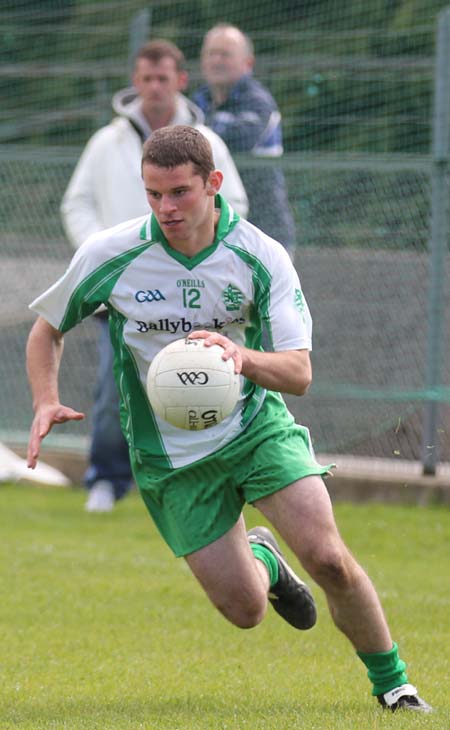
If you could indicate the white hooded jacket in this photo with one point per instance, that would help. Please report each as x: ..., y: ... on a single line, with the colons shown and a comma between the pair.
x: 106, y: 187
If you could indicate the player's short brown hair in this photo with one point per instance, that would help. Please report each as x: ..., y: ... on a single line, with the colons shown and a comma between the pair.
x: 158, y: 49
x: 179, y: 145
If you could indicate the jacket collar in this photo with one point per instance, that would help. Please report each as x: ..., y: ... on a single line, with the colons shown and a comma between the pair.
x: 127, y: 103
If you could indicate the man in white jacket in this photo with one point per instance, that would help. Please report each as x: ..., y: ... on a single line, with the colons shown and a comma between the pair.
x: 105, y: 189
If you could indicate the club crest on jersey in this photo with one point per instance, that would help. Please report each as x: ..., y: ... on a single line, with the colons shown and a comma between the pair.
x: 232, y: 297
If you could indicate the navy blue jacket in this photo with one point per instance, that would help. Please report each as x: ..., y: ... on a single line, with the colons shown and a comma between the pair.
x: 249, y: 121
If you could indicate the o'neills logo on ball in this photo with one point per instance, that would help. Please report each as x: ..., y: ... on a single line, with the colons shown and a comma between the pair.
x: 204, y: 419
x: 193, y: 377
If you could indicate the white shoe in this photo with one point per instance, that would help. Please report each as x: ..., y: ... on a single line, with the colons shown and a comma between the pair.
x: 404, y: 697
x: 101, y: 497
x: 14, y: 469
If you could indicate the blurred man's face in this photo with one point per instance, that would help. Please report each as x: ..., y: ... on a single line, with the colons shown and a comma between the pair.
x: 158, y: 84
x: 225, y: 57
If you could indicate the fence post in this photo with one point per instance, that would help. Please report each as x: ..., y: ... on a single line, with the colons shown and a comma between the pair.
x: 138, y: 34
x: 438, y: 241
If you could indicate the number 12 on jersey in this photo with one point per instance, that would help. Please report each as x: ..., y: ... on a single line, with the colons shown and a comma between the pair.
x: 190, y: 298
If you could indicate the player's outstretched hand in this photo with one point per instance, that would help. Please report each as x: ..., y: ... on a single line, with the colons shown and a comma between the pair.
x: 44, y: 419
x: 231, y: 350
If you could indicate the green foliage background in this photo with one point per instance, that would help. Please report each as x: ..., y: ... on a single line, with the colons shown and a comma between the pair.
x: 348, y: 75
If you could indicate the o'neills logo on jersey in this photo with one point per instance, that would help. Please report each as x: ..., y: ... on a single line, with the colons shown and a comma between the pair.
x: 196, y: 283
x: 184, y: 325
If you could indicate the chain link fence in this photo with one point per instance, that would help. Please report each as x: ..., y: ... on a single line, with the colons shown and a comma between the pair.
x: 356, y: 92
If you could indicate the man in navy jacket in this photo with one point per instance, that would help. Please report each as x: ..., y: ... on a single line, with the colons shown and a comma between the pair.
x: 243, y: 112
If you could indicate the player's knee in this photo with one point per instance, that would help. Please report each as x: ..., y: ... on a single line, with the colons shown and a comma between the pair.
x: 249, y: 618
x: 332, y: 566
x: 244, y: 614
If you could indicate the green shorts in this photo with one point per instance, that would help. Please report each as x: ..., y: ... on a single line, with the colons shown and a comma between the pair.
x: 195, y: 504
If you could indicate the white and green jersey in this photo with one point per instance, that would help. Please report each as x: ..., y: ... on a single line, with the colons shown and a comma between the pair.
x: 155, y: 295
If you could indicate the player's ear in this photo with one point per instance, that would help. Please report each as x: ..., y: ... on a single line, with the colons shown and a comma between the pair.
x: 214, y: 182
x: 135, y: 79
x: 183, y: 80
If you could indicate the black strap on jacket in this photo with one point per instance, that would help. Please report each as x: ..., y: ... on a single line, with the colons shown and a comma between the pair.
x: 137, y: 129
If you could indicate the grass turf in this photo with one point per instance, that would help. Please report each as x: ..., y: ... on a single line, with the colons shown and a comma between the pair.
x: 102, y: 628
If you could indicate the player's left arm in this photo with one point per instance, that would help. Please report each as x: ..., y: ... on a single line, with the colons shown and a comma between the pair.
x: 44, y: 352
x: 289, y: 371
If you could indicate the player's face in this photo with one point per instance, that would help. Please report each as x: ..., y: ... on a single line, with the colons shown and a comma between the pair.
x: 182, y: 202
x: 225, y: 57
x: 158, y: 84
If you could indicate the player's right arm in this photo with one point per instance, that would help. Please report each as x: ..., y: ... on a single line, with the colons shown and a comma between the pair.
x: 44, y: 351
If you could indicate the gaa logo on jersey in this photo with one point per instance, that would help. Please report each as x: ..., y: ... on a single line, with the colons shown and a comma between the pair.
x: 149, y: 295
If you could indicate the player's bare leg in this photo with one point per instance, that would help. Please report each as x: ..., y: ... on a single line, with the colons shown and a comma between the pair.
x: 234, y: 581
x: 303, y: 515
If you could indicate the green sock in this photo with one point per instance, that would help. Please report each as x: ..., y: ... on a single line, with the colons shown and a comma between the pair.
x: 386, y: 670
x: 267, y: 557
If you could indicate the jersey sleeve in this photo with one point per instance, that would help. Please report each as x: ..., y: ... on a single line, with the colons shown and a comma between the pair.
x: 288, y: 317
x: 76, y: 294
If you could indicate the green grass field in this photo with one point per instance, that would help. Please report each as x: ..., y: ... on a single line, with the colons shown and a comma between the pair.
x: 102, y: 628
